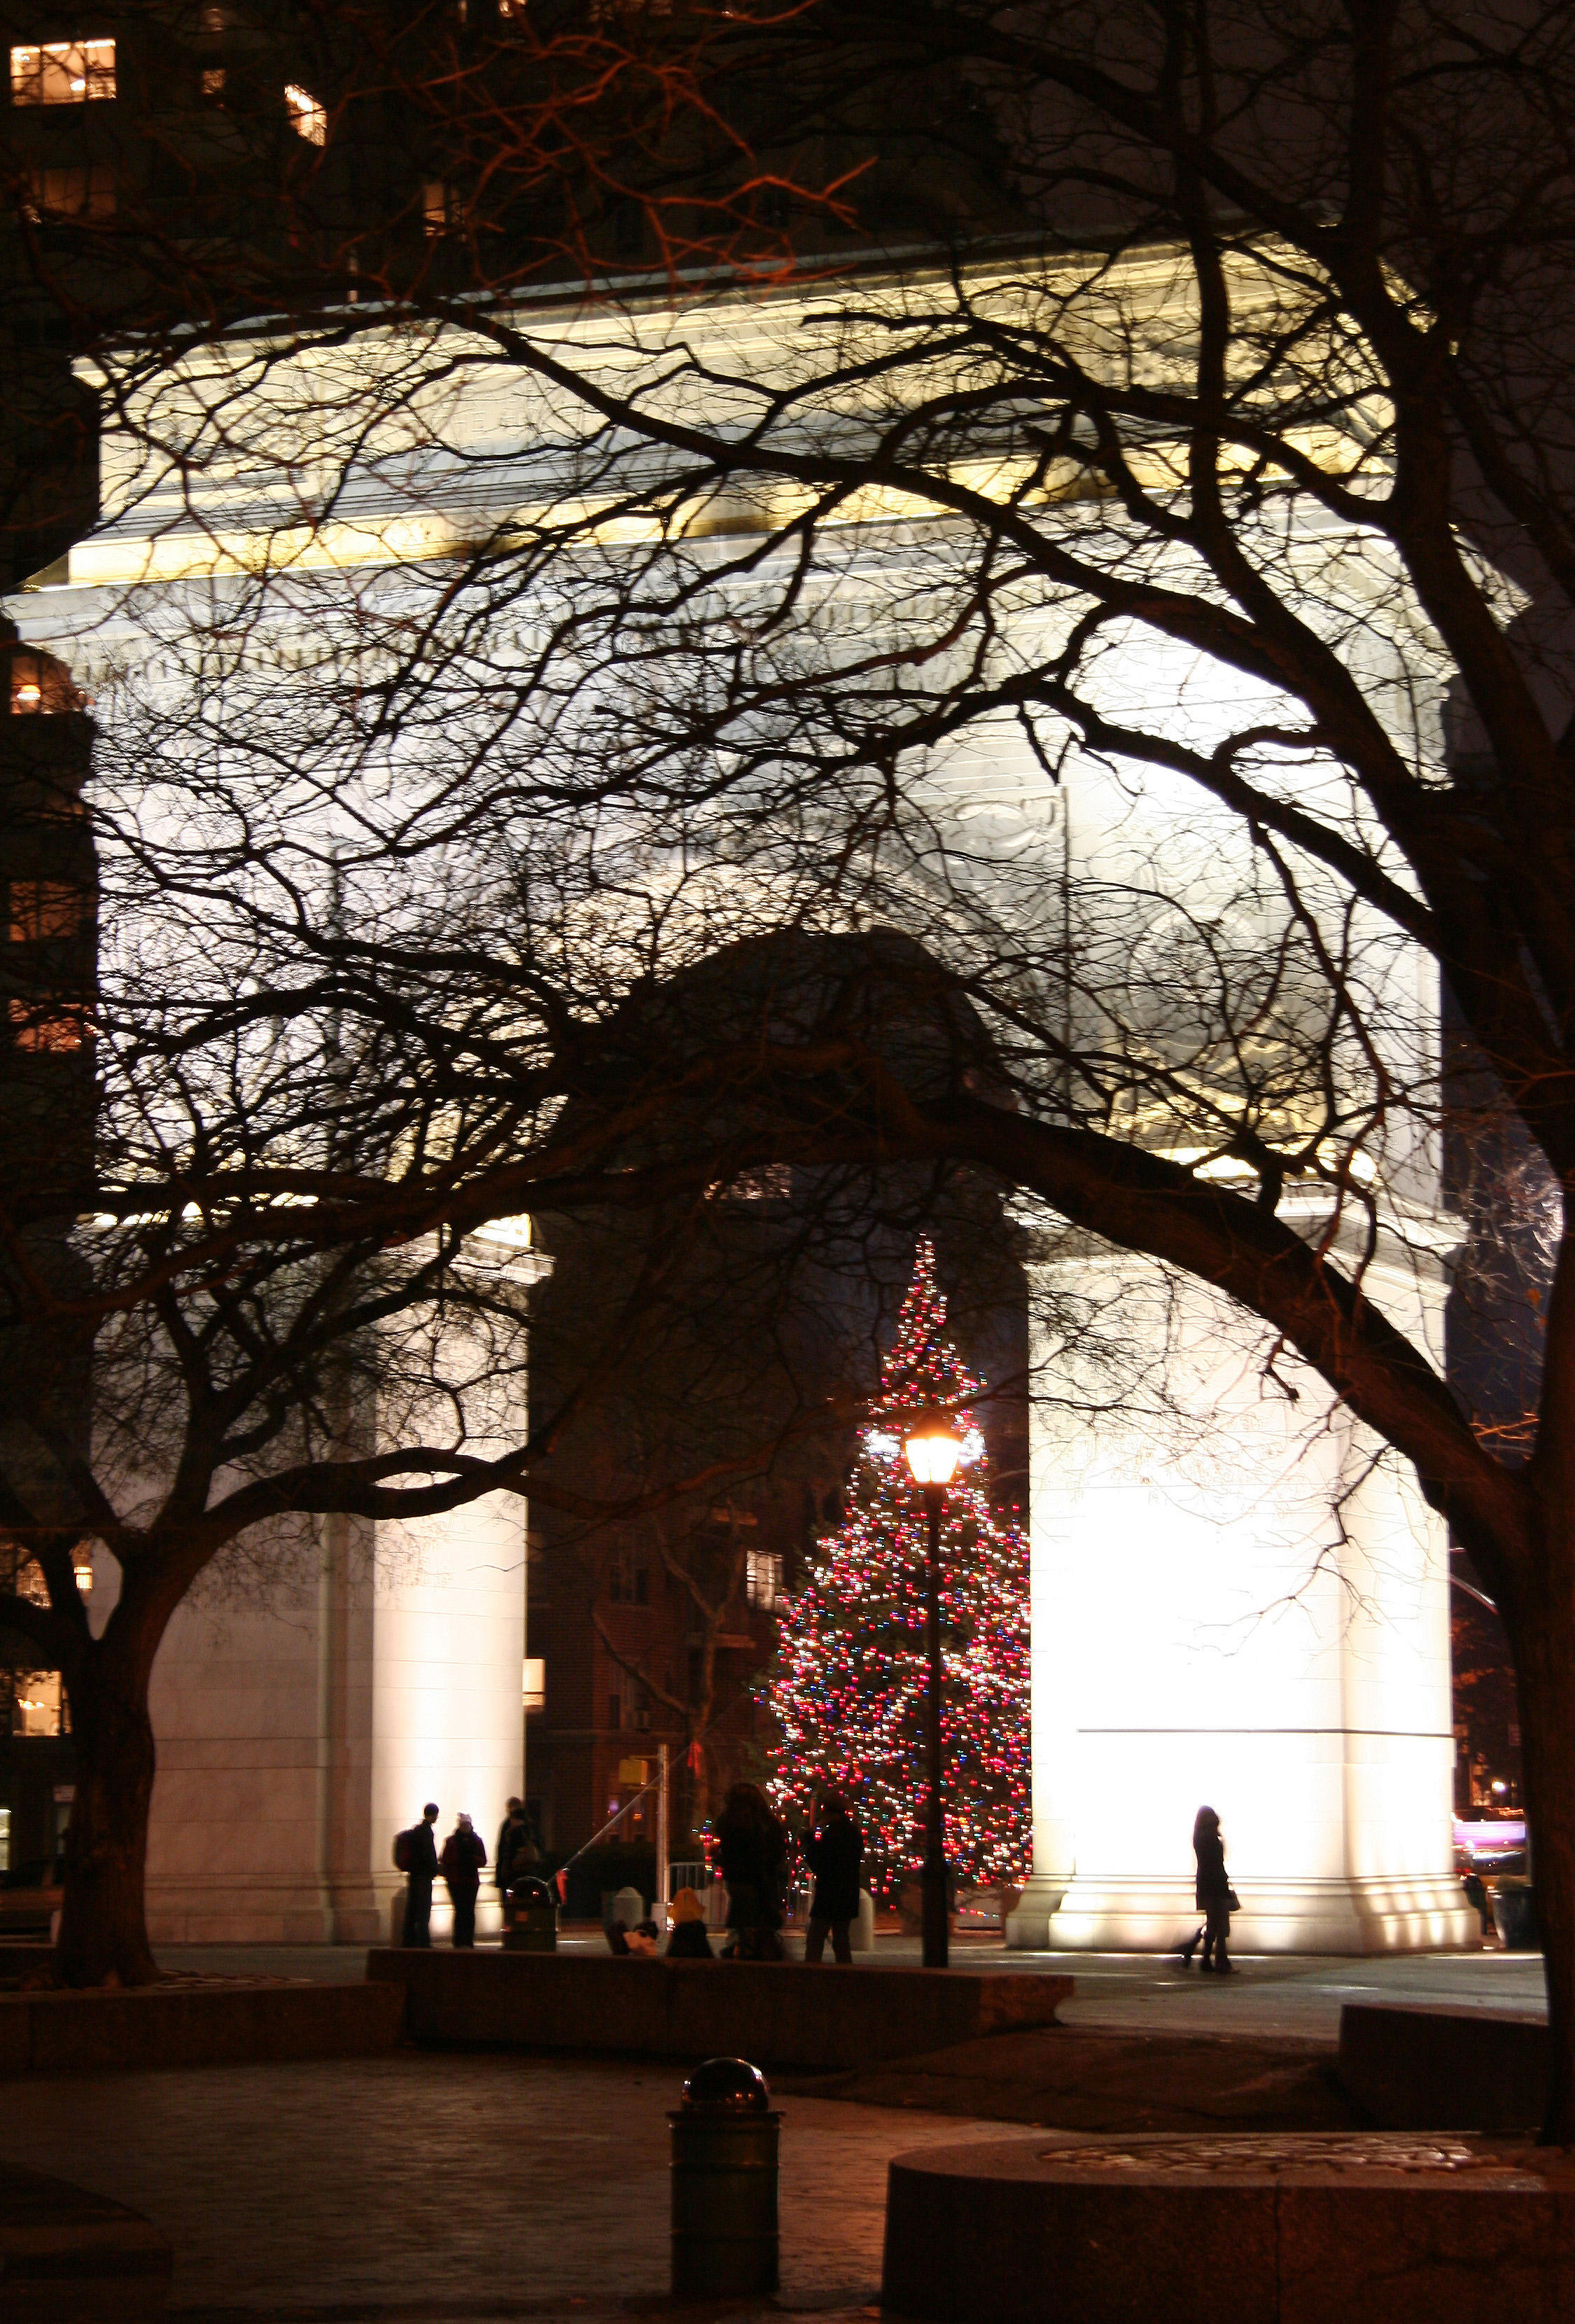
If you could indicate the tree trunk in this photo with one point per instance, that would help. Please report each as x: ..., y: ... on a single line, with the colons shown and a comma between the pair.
x: 699, y: 1776
x: 104, y: 1929
x: 1541, y: 1625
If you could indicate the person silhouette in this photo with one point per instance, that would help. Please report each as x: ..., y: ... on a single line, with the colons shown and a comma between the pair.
x: 1212, y: 1891
x: 420, y: 1870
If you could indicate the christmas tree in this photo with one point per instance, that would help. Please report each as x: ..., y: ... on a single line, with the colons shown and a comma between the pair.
x: 848, y: 1686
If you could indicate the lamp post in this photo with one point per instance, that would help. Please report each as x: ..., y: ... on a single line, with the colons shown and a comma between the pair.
x: 933, y: 1454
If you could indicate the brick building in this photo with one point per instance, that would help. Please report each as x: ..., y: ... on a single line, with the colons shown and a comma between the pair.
x: 658, y: 1627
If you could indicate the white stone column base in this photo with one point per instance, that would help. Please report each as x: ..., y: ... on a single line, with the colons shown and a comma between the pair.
x: 1029, y: 1923
x: 296, y: 1912
x: 259, y: 1912
x: 1427, y: 1914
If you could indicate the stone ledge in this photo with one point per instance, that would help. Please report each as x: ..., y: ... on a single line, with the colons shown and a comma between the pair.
x: 1410, y: 2067
x: 178, y: 2025
x: 70, y: 2257
x: 20, y: 1963
x: 774, y: 2013
x: 1267, y: 2230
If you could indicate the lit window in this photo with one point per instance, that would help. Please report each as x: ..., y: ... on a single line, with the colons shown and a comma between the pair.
x: 63, y: 72
x: 306, y: 116
x: 437, y: 205
x: 213, y: 83
x: 4, y: 1840
x: 763, y: 1578
x: 535, y: 1683
x: 28, y: 1583
x: 79, y: 193
x: 772, y: 1183
x: 39, y: 684
x: 43, y: 908
x: 38, y: 1707
x: 49, y: 1026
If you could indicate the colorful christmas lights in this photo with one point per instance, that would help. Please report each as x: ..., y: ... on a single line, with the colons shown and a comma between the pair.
x: 847, y: 1686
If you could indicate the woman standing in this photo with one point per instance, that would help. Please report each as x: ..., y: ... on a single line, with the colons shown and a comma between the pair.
x: 754, y: 1853
x: 1212, y: 1891
x: 464, y: 1854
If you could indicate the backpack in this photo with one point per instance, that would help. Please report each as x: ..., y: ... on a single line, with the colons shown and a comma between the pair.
x: 401, y: 1852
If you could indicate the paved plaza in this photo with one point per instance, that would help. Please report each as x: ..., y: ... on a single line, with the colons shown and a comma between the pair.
x: 425, y: 2187
x: 418, y: 2189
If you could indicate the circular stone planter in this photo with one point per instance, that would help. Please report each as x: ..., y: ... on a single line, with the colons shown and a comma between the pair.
x: 1386, y: 2228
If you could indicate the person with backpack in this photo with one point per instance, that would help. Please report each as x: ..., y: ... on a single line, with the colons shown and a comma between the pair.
x: 514, y: 1856
x: 415, y: 1854
x: 465, y: 1852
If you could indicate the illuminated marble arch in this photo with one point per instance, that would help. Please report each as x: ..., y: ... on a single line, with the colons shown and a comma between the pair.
x: 1238, y: 1597
x: 1259, y: 1621
x: 301, y: 1726
x: 1244, y: 1601
x: 1264, y: 1628
x: 306, y: 1704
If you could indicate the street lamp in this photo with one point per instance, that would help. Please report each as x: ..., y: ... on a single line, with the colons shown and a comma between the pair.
x: 933, y: 1454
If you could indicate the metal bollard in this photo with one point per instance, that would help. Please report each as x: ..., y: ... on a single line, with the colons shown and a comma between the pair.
x: 535, y: 1928
x: 725, y: 2182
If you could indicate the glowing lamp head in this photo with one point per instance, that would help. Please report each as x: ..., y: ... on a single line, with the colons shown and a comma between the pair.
x: 932, y: 1449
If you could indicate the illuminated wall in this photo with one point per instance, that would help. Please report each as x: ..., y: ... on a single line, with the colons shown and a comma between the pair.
x: 1236, y: 1599
x: 302, y: 1720
x: 1252, y: 1615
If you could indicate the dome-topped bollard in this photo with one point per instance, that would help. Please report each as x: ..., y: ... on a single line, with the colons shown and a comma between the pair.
x: 725, y: 2241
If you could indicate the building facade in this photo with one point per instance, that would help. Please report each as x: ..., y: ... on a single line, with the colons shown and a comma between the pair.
x: 1254, y: 1615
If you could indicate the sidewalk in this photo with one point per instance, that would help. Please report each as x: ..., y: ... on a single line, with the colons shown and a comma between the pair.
x: 1292, y: 1996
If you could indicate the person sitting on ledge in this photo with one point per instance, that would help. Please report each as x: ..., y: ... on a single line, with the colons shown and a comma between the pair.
x: 642, y: 1941
x: 688, y: 1941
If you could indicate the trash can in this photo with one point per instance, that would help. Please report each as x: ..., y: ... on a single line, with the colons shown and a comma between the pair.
x: 535, y: 1927
x: 725, y: 2242
x: 1515, y: 1916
